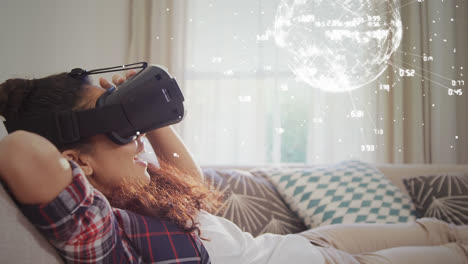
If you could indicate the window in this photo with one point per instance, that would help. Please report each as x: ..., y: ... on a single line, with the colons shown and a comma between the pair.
x: 247, y: 107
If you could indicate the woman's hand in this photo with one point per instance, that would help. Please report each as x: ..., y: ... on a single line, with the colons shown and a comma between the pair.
x: 116, y: 79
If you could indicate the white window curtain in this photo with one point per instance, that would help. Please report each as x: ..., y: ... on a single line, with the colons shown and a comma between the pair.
x: 246, y: 107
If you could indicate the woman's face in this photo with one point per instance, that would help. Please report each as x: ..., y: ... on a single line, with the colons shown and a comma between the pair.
x: 111, y: 164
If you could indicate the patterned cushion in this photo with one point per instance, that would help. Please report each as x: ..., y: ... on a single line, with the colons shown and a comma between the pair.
x: 443, y: 196
x: 348, y: 192
x: 253, y: 203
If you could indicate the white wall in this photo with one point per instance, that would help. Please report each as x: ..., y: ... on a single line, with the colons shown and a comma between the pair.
x: 43, y: 37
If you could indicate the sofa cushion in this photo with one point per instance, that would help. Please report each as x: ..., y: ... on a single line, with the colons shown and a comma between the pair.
x: 21, y: 242
x: 443, y: 196
x: 347, y: 192
x: 253, y: 203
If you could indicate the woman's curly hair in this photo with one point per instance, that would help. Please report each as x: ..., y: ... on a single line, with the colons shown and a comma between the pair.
x: 172, y: 195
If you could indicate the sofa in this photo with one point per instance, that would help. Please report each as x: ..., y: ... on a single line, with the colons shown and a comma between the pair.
x: 21, y: 243
x: 290, y: 199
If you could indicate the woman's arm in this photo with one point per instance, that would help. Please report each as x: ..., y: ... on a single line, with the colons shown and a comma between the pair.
x: 33, y: 168
x: 56, y: 197
x: 167, y: 144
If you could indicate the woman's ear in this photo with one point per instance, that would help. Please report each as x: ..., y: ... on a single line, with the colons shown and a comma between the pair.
x: 81, y: 159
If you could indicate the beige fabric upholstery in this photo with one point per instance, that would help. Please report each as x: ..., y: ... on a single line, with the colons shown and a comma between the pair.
x: 20, y: 242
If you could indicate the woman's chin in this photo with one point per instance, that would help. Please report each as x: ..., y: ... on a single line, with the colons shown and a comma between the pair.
x: 147, y: 177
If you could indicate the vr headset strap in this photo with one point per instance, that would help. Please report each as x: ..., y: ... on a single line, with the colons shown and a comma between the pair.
x: 70, y: 126
x: 103, y: 119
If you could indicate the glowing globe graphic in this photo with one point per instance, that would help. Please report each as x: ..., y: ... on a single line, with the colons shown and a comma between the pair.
x: 338, y: 45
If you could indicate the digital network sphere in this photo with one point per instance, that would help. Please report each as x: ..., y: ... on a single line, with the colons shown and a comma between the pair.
x: 338, y: 45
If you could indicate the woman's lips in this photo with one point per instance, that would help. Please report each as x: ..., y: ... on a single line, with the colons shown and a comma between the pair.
x: 141, y: 162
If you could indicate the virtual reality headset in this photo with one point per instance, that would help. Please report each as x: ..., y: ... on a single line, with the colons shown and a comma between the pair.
x: 149, y: 100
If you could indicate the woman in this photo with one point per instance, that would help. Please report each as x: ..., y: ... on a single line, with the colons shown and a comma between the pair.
x: 97, y: 202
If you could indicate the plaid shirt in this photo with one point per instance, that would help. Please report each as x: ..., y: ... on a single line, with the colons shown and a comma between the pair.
x: 84, y: 228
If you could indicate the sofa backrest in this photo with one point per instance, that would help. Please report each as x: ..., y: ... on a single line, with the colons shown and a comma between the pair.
x: 397, y: 172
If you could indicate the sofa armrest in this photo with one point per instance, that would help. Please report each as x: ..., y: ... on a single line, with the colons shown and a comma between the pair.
x: 21, y: 242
